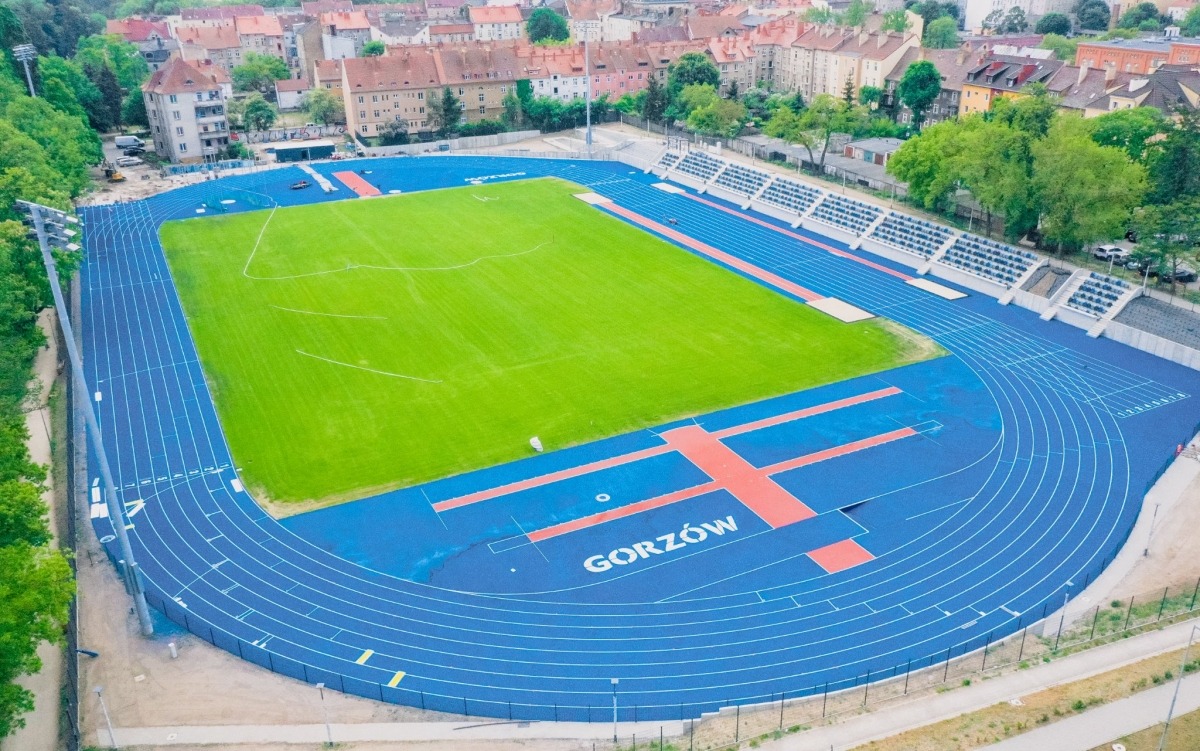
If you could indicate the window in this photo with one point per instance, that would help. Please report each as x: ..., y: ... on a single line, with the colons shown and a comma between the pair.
x: 460, y: 91
x: 183, y: 147
x: 360, y: 100
x: 481, y: 96
x: 362, y: 114
x: 175, y: 115
x: 179, y: 131
x: 420, y: 95
x: 481, y: 109
x: 173, y: 99
x: 376, y: 113
x: 374, y: 99
x: 364, y: 129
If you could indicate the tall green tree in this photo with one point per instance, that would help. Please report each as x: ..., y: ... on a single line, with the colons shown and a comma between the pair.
x: 324, y: 107
x: 107, y: 114
x: 444, y: 111
x: 896, y: 20
x: 856, y: 13
x: 374, y: 48
x: 1063, y: 48
x: 1053, y: 23
x: 1170, y: 235
x: 257, y: 113
x: 1093, y: 15
x: 1190, y: 26
x: 546, y: 25
x: 1139, y: 14
x: 928, y: 164
x: 691, y: 68
x: 1131, y: 130
x: 112, y: 50
x: 1087, y: 192
x: 942, y: 34
x: 655, y: 104
x: 259, y: 73
x: 815, y: 125
x: 1173, y: 161
x: 919, y: 87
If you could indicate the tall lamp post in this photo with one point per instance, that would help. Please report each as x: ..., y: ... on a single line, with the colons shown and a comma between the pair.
x: 25, y: 53
x: 1162, y: 742
x: 51, y: 228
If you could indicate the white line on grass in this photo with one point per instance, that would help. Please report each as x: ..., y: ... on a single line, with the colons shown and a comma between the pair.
x: 331, y: 315
x: 369, y: 370
x: 351, y: 266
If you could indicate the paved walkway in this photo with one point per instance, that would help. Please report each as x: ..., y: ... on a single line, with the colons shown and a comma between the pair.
x: 1105, y: 724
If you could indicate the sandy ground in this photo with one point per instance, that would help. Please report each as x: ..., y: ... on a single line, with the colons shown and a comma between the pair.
x: 144, y: 687
x: 41, y: 725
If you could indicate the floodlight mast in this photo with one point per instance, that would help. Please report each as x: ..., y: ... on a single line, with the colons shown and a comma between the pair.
x: 25, y: 53
x: 49, y: 224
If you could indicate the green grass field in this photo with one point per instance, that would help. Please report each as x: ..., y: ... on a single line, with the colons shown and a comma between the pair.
x: 374, y: 344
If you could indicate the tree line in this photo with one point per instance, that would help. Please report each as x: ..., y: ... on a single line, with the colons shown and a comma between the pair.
x: 46, y: 147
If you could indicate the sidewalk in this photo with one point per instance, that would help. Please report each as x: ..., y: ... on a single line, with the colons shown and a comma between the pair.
x: 1108, y: 722
x: 850, y: 733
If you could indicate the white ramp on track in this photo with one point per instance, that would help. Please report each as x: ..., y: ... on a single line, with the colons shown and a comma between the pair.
x: 840, y: 309
x: 936, y: 289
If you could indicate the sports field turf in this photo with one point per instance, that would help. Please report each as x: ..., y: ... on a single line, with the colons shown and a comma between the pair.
x: 373, y: 344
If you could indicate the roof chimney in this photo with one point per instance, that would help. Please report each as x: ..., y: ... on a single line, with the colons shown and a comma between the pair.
x: 1083, y: 71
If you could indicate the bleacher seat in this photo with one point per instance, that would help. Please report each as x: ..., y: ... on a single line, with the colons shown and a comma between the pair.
x: 668, y: 160
x: 700, y: 165
x: 912, y: 235
x: 846, y: 213
x: 790, y: 195
x: 988, y: 259
x: 1097, y: 294
x: 742, y: 180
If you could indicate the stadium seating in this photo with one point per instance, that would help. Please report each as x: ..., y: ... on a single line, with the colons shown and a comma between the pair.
x: 1097, y: 294
x: 846, y: 213
x: 700, y: 165
x: 790, y: 195
x: 912, y: 235
x: 988, y: 259
x: 742, y: 180
x: 668, y: 160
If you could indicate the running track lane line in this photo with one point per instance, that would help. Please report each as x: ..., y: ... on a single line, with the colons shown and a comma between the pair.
x: 801, y: 238
x: 752, y: 487
x: 584, y: 469
x: 733, y: 262
x: 357, y: 184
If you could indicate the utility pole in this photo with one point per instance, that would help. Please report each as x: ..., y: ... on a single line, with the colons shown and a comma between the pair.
x: 25, y: 53
x: 587, y: 71
x: 50, y: 226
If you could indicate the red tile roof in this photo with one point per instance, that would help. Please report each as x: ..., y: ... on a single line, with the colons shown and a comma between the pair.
x: 346, y: 20
x: 265, y: 25
x: 137, y: 29
x: 179, y: 76
x: 495, y: 14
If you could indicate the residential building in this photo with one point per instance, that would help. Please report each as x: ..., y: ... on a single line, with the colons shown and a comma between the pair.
x: 872, y: 150
x: 452, y: 33
x: 390, y: 88
x: 343, y: 34
x: 152, y: 38
x: 1003, y: 75
x: 1167, y: 89
x: 216, y: 41
x: 220, y: 12
x: 290, y: 93
x: 309, y: 50
x: 327, y: 74
x: 496, y: 22
x: 186, y: 108
x: 393, y: 33
x: 1138, y: 55
x: 480, y: 74
x: 620, y: 27
x: 260, y: 34
x: 953, y: 65
x: 446, y: 9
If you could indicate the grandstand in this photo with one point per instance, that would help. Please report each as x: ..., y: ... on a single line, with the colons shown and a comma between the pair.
x: 790, y: 195
x: 846, y: 213
x: 919, y: 236
x: 1097, y: 294
x: 668, y: 160
x: 700, y: 165
x: 1162, y: 319
x: 742, y: 180
x: 988, y: 259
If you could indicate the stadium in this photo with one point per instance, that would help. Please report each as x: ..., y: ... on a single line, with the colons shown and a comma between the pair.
x: 553, y: 439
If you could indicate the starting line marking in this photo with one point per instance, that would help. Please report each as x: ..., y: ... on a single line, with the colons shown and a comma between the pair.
x: 362, y: 660
x: 396, y: 678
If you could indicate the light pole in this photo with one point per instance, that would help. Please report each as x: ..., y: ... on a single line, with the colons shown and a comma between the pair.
x: 112, y: 739
x: 51, y: 227
x: 325, y: 714
x: 25, y: 53
x: 615, y: 681
x: 587, y: 71
x: 1162, y: 742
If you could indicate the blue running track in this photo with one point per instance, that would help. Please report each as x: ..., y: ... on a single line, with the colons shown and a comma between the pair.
x: 1012, y: 472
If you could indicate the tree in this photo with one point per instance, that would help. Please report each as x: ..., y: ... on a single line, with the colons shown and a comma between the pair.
x: 1015, y: 21
x: 393, y: 133
x: 1086, y: 191
x: 820, y: 14
x: 871, y: 96
x: 1139, y: 14
x: 133, y: 109
x: 107, y: 114
x: 1129, y: 130
x: 1173, y: 161
x: 654, y: 105
x: 513, y: 116
x: 919, y: 87
x: 112, y: 50
x: 942, y: 34
x: 848, y: 91
x: 1053, y: 23
x: 257, y: 113
x: 444, y: 112
x: 259, y: 73
x: 896, y: 20
x: 374, y: 48
x: 926, y: 163
x: 1063, y: 48
x: 1190, y: 26
x: 692, y: 97
x: 856, y: 13
x: 323, y: 107
x: 546, y: 25
x: 691, y: 68
x: 1093, y: 15
x: 993, y: 21
x: 719, y: 117
x: 813, y: 127
x: 68, y: 89
x: 1170, y: 235
x: 1031, y: 114
x: 732, y: 91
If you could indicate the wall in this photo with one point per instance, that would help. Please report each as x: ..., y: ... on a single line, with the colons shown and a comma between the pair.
x: 456, y: 144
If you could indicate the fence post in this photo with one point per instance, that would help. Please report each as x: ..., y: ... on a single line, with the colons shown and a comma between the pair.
x: 1021, y: 652
x: 946, y: 673
x: 737, y: 724
x: 1195, y: 592
x: 825, y: 701
x: 1094, y: 619
x: 1163, y: 605
x: 986, y: 644
x: 866, y: 687
x: 907, y: 670
x: 782, y: 697
x: 1129, y: 615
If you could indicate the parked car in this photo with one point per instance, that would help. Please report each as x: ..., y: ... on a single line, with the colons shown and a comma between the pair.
x: 135, y: 151
x: 125, y: 142
x: 1183, y: 274
x: 1105, y: 252
x: 127, y: 161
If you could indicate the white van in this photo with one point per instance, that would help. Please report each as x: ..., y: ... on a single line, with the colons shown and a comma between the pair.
x: 125, y: 142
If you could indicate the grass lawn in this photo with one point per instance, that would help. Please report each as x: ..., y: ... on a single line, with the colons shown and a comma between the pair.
x: 374, y: 344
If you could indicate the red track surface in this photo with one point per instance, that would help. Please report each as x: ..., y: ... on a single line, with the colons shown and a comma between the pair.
x: 840, y: 556
x: 357, y: 184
